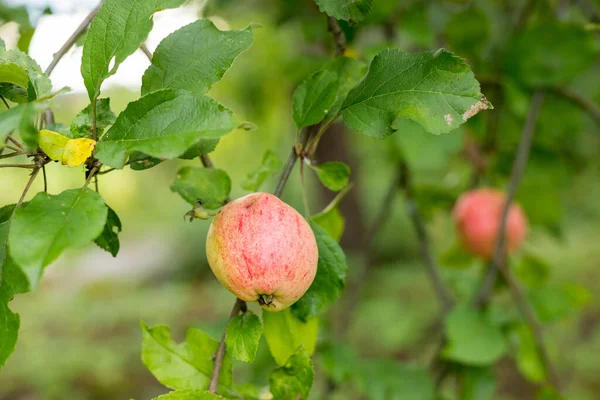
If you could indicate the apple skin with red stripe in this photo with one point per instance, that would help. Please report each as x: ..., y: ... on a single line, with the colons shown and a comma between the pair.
x: 477, y: 216
x: 262, y: 249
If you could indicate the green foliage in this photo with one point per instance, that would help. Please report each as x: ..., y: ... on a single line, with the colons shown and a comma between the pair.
x: 109, y: 238
x: 285, y: 334
x: 329, y: 281
x: 384, y: 379
x: 189, y: 395
x: 334, y: 175
x: 114, y: 34
x: 354, y: 10
x: 294, y: 379
x: 20, y: 119
x: 6, y: 214
x: 21, y: 17
x: 314, y: 97
x: 194, y: 57
x: 472, y: 339
x: 532, y: 270
x: 269, y: 166
x: 573, y: 50
x: 243, y: 334
x: 204, y: 146
x: 529, y: 361
x: 210, y: 186
x: 478, y: 384
x: 349, y: 72
x: 468, y: 32
x: 48, y: 224
x: 554, y: 302
x: 332, y: 221
x: 22, y: 78
x: 186, y: 365
x: 9, y: 324
x: 163, y: 124
x: 435, y: 89
x: 81, y: 127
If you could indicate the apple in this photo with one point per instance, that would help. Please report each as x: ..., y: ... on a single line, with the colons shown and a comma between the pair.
x: 477, y: 216
x: 261, y: 249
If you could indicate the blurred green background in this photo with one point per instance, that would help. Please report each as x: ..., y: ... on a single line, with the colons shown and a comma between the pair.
x: 80, y: 336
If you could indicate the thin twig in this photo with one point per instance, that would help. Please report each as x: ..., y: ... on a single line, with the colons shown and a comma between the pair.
x: 206, y: 161
x: 579, y: 100
x: 91, y: 175
x: 45, y: 178
x: 15, y: 142
x: 5, y: 102
x: 18, y: 166
x: 14, y: 154
x: 517, y: 173
x: 303, y: 188
x: 27, y: 187
x: 72, y: 39
x: 145, y: 50
x: 287, y: 170
x: 238, y: 306
x: 441, y: 292
x: 339, y: 39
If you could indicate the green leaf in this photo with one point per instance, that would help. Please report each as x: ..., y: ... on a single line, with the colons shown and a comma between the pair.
x: 204, y: 146
x: 269, y: 166
x: 81, y: 127
x: 15, y: 277
x: 21, y: 17
x: 189, y: 395
x: 349, y: 71
x: 187, y: 365
x: 9, y: 324
x: 332, y: 221
x: 194, y: 57
x: 435, y: 89
x: 139, y: 161
x: 314, y: 97
x: 109, y: 238
x: 294, y: 379
x: 554, y: 302
x: 243, y: 334
x: 573, y: 51
x: 528, y: 358
x: 20, y: 119
x: 329, y: 281
x: 285, y: 334
x: 472, y: 340
x: 22, y: 75
x: 389, y: 380
x: 478, y: 384
x: 210, y: 186
x: 114, y: 34
x: 334, y: 175
x: 6, y: 214
x: 48, y: 224
x: 355, y: 10
x: 532, y: 270
x: 163, y: 124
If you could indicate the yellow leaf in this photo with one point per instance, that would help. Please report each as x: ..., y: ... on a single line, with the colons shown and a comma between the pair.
x: 77, y: 151
x: 70, y: 152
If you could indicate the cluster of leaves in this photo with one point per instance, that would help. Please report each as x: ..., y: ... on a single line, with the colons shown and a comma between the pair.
x: 429, y: 91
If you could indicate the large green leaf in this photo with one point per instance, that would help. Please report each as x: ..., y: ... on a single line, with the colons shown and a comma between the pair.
x: 329, y: 281
x: 573, y: 49
x: 435, y: 89
x: 208, y: 185
x: 269, y: 166
x: 294, y: 379
x: 163, y: 124
x: 189, y: 395
x: 49, y: 224
x: 114, y: 34
x: 314, y: 97
x: 355, y: 10
x: 22, y: 79
x: 9, y: 324
x: 186, y: 365
x: 81, y: 126
x: 194, y: 57
x: 285, y: 334
x: 243, y: 334
x: 472, y: 340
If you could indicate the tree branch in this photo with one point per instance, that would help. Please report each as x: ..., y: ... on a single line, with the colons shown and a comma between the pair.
x: 146, y: 51
x: 443, y: 295
x: 72, y: 39
x: 339, y: 39
x: 238, y: 306
x: 517, y: 173
x: 27, y: 187
x: 579, y: 100
x: 18, y: 166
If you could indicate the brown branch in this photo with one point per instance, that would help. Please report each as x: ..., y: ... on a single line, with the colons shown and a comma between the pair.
x: 579, y: 100
x: 206, y: 161
x: 27, y: 187
x: 18, y: 166
x: 339, y: 39
x: 517, y: 173
x: 146, y: 51
x: 14, y: 154
x: 15, y: 142
x: 443, y: 295
x: 238, y: 306
x: 72, y: 39
x: 45, y: 178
